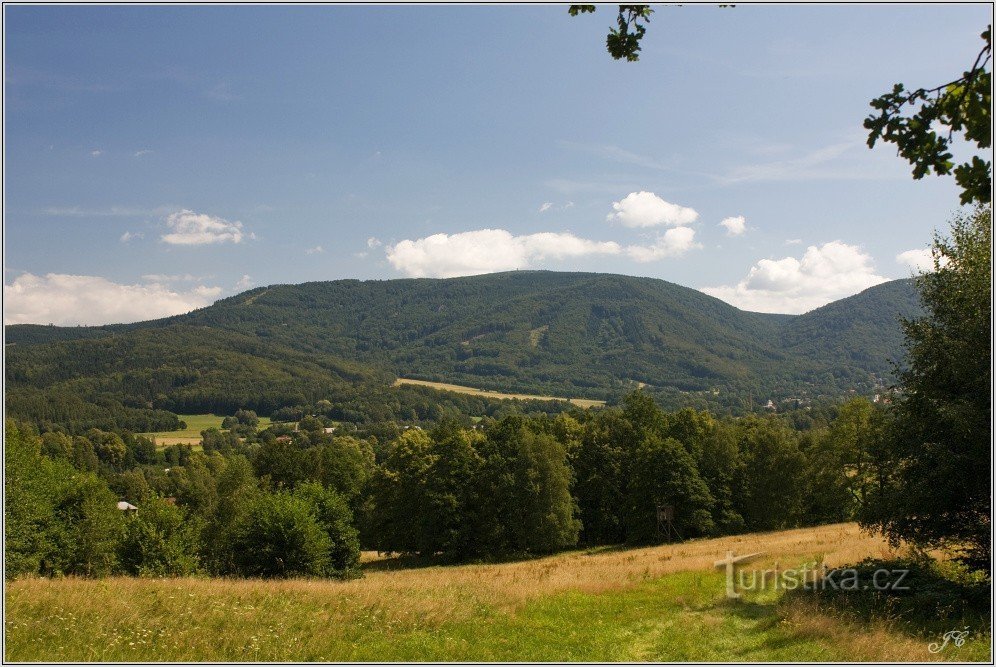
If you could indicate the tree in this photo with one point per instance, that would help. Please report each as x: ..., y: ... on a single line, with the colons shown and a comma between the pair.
x: 397, y: 493
x: 663, y: 473
x: 933, y: 488
x: 160, y: 540
x: 524, y: 499
x: 600, y: 467
x: 336, y: 519
x: 962, y: 105
x: 279, y: 536
x: 769, y: 491
x: 89, y: 528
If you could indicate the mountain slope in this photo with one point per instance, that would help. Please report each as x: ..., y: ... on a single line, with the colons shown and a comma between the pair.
x: 569, y: 334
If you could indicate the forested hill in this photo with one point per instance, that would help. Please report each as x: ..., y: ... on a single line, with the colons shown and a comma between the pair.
x: 568, y: 334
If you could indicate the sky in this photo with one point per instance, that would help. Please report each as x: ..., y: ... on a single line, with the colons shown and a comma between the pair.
x: 160, y: 158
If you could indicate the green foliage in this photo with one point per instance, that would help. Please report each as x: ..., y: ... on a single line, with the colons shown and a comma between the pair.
x: 160, y: 540
x: 623, y: 41
x: 769, y: 490
x: 933, y: 485
x: 600, y: 468
x: 962, y: 106
x: 663, y: 474
x: 87, y: 528
x: 278, y: 535
x: 525, y: 504
x: 57, y: 519
x: 336, y: 519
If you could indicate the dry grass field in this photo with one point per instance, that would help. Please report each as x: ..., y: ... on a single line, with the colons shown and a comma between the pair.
x: 657, y: 604
x: 192, y: 434
x: 460, y: 389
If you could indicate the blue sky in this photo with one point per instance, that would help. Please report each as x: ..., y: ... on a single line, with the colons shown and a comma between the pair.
x: 158, y: 158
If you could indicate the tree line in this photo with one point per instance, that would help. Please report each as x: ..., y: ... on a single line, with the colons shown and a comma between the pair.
x: 294, y: 500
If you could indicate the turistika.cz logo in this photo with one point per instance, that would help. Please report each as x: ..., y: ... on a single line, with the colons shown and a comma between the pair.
x: 810, y: 576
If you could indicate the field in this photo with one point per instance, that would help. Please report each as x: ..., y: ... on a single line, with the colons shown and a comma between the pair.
x: 192, y: 434
x: 460, y: 389
x: 654, y: 604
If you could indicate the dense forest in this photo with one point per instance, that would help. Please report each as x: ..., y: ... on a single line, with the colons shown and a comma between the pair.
x: 294, y: 499
x: 558, y: 334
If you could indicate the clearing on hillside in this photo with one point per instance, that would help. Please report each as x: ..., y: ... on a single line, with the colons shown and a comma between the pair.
x: 192, y: 434
x: 460, y: 389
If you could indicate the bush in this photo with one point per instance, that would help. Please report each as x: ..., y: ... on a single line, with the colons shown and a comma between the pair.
x: 160, y: 540
x: 335, y: 518
x: 279, y: 536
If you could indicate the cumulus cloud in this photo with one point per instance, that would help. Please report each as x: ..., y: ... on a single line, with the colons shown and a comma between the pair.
x: 373, y: 242
x: 486, y: 251
x: 918, y: 260
x: 70, y: 300
x: 314, y: 251
x: 645, y: 209
x: 672, y: 243
x: 245, y: 282
x: 189, y: 228
x: 735, y: 226
x: 789, y: 285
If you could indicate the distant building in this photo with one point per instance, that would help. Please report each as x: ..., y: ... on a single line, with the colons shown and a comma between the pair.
x: 125, y: 506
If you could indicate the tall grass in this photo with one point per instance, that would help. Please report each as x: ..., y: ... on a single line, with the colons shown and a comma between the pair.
x: 660, y: 603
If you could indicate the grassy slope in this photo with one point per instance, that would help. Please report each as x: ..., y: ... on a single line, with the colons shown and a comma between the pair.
x: 662, y: 603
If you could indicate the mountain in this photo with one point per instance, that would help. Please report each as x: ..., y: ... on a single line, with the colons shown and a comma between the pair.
x: 567, y: 334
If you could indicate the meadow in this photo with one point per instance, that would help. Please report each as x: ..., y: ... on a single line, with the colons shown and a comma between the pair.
x: 192, y: 434
x: 460, y: 389
x: 664, y: 603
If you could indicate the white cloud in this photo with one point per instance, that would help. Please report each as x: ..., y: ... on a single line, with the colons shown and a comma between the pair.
x: 672, y: 243
x: 245, y: 282
x: 918, y: 260
x: 373, y: 242
x: 645, y: 209
x: 735, y: 226
x: 189, y: 228
x: 314, y: 251
x: 69, y: 300
x: 96, y: 152
x: 545, y: 206
x: 144, y: 151
x: 793, y: 241
x: 487, y: 251
x: 789, y: 285
x: 128, y: 236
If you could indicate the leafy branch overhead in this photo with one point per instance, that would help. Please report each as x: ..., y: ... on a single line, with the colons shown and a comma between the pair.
x: 623, y: 41
x: 962, y: 106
